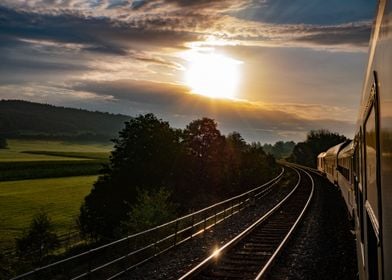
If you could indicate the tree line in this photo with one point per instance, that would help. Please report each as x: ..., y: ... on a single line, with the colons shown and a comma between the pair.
x: 28, y: 120
x: 181, y: 170
x: 317, y: 141
x: 280, y: 150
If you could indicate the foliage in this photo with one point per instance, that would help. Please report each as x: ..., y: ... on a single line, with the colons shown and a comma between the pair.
x: 144, y: 157
x: 198, y: 165
x: 317, y: 141
x: 22, y: 119
x: 3, y: 143
x: 38, y: 240
x: 280, y: 149
x: 149, y: 210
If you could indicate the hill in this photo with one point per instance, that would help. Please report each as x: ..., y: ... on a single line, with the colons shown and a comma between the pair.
x: 23, y: 119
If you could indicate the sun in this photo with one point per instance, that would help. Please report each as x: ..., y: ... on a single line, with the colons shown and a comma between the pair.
x: 212, y: 74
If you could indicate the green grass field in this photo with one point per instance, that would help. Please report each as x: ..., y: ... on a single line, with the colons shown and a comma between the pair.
x: 20, y: 200
x: 39, y: 150
x: 53, y: 176
x: 50, y: 159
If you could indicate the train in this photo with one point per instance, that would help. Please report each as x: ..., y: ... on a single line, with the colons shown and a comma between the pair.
x: 362, y: 168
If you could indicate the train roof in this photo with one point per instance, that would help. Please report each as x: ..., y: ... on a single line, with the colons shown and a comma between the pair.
x: 333, y: 151
x: 347, y: 151
x: 321, y: 155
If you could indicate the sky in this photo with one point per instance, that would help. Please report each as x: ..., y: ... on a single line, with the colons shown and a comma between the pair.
x: 269, y: 69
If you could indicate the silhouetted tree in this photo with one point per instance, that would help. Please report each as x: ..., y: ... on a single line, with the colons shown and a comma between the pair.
x: 143, y: 158
x: 317, y: 141
x: 257, y: 166
x: 3, y: 143
x: 38, y: 240
x: 204, y: 146
x: 235, y: 149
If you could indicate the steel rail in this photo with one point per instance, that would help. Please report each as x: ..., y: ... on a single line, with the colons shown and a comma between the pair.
x: 268, y: 265
x: 198, y: 268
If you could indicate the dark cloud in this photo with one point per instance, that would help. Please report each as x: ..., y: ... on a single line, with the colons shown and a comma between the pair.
x: 161, y: 94
x: 200, y: 4
x: 318, y: 12
x: 351, y: 34
x: 117, y: 3
x: 97, y: 34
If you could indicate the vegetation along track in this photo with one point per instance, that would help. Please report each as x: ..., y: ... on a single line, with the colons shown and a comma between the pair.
x: 250, y: 254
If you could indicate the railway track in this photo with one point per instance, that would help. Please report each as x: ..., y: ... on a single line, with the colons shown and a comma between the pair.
x: 250, y: 254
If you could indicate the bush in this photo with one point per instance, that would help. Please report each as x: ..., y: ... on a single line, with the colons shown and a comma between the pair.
x: 151, y: 209
x: 38, y: 240
x: 3, y: 143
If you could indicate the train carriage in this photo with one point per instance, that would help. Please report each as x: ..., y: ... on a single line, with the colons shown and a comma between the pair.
x: 331, y: 162
x: 364, y: 167
x: 373, y: 161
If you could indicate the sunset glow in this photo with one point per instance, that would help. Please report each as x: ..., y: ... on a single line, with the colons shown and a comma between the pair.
x: 211, y: 74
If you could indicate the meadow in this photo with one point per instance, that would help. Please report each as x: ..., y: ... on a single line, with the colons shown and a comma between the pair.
x: 60, y: 198
x: 53, y: 176
x: 40, y: 150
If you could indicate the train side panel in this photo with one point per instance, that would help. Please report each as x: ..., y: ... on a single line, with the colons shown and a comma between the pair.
x: 374, y: 133
x: 321, y: 162
x: 331, y: 163
x: 346, y: 178
x: 382, y: 68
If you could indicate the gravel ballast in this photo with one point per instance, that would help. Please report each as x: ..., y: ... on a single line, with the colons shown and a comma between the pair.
x: 323, y: 246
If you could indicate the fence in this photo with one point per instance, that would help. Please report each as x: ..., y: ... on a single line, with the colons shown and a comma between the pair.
x: 118, y: 257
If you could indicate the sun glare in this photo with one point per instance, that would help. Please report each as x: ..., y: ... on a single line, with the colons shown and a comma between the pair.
x: 211, y: 74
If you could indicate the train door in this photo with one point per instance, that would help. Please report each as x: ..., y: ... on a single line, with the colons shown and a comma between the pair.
x: 372, y: 204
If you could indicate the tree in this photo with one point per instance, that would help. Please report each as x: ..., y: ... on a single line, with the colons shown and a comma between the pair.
x: 204, y: 145
x: 257, y: 166
x: 3, y: 143
x: 317, y: 141
x: 144, y: 157
x: 38, y: 240
x: 151, y: 209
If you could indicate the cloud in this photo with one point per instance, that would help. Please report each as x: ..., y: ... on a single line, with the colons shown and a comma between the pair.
x: 105, y: 54
x: 254, y: 120
x: 315, y: 12
x: 111, y: 29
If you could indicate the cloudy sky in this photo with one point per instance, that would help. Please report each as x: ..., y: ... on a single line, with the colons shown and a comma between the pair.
x: 270, y: 69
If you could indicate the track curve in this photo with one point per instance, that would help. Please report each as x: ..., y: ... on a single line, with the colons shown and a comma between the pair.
x: 250, y: 254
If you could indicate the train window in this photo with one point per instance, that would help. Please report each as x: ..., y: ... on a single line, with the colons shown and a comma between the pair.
x: 371, y: 162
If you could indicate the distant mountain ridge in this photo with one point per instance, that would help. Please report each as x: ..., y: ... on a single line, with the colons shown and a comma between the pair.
x: 24, y: 119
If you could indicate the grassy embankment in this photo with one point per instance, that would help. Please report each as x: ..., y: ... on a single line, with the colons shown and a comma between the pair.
x: 49, y: 175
